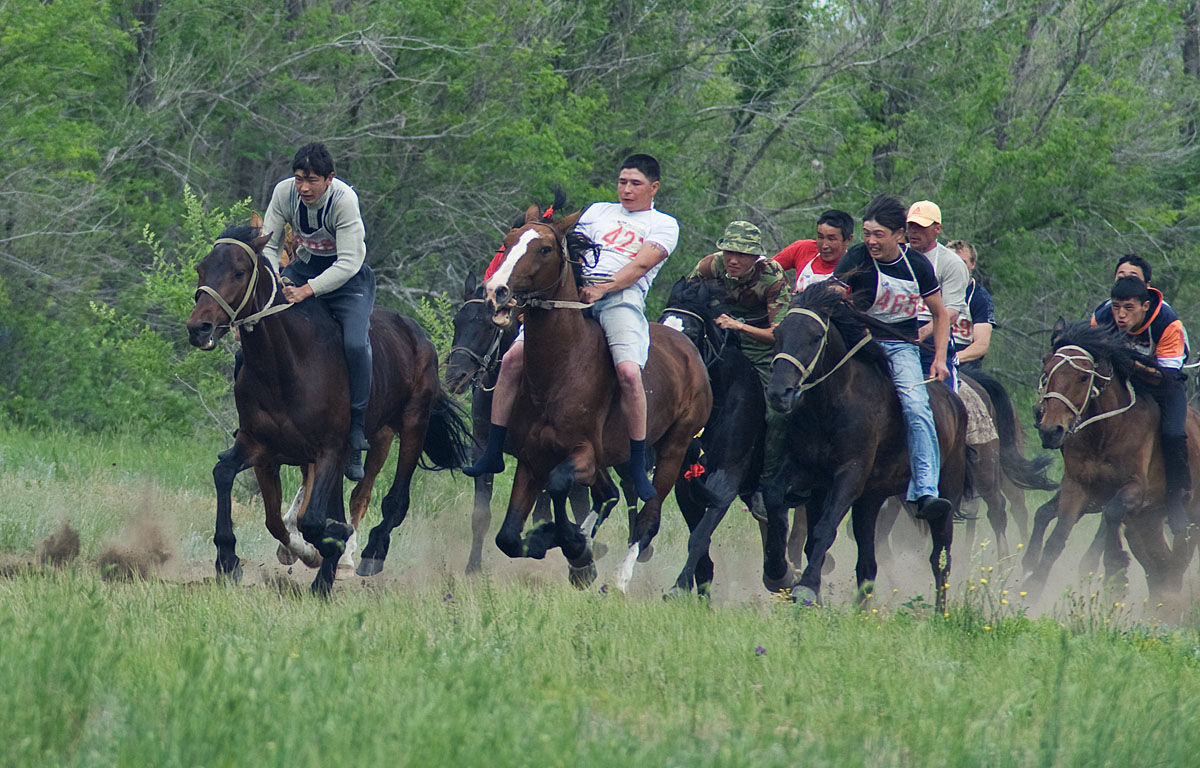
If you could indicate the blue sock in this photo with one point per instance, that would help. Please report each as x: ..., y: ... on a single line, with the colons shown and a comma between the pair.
x: 492, y: 460
x: 637, y: 465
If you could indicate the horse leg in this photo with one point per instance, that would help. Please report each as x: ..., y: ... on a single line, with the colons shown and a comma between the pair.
x: 1071, y: 500
x: 1018, y: 510
x: 863, y: 517
x: 670, y: 450
x: 543, y: 511
x: 272, y: 496
x: 569, y: 536
x: 847, y: 483
x: 589, y: 514
x: 885, y: 520
x: 1126, y: 501
x: 520, y: 501
x: 414, y: 423
x: 297, y: 546
x: 941, y: 534
x: 629, y: 492
x: 778, y: 574
x: 481, y: 513
x: 1089, y: 564
x: 324, y: 522
x: 360, y: 497
x: 716, y: 492
x: 228, y: 565
x: 988, y: 476
x: 1164, y: 580
x: 1041, y: 520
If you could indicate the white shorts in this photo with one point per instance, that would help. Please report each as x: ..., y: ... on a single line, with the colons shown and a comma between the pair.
x: 622, y: 315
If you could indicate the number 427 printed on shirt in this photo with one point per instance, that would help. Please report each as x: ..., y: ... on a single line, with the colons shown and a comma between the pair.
x: 623, y: 241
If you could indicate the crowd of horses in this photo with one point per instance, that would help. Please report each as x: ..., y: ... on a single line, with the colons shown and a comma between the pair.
x: 847, y: 448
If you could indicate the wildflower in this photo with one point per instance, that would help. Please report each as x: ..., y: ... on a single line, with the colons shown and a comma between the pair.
x: 604, y: 589
x: 1004, y: 591
x: 987, y: 627
x: 983, y: 581
x: 760, y: 651
x: 1022, y: 594
x: 447, y: 598
x: 1003, y: 602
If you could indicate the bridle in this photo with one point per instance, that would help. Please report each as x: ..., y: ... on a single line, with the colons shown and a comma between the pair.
x: 1045, y: 393
x: 250, y: 321
x: 710, y: 351
x: 483, y: 362
x: 534, y: 298
x: 807, y: 370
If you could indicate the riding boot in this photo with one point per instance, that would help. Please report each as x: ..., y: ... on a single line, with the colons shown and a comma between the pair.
x: 1178, y: 483
x: 358, y: 438
x: 637, y: 468
x: 491, y: 462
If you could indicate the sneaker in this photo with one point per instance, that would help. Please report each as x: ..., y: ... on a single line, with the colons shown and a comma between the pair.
x: 931, y: 507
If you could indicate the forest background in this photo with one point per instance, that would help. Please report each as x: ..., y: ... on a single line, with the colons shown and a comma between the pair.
x: 1055, y: 134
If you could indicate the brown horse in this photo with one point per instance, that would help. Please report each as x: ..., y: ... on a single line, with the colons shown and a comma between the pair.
x: 293, y: 407
x: 567, y: 425
x: 1112, y: 457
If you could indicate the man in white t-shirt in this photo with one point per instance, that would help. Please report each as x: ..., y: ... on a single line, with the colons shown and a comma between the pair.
x: 922, y: 229
x: 634, y: 238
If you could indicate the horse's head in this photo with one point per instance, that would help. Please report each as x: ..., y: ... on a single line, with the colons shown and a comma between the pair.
x: 535, y: 264
x: 691, y: 309
x: 800, y: 341
x: 226, y: 279
x: 1071, y: 377
x: 477, y: 340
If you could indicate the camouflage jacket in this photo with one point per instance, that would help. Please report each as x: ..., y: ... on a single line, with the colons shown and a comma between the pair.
x: 760, y: 296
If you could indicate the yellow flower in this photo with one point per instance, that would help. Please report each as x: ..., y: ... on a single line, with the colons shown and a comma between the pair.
x: 1003, y: 602
x: 983, y: 581
x: 1022, y: 594
x: 987, y: 627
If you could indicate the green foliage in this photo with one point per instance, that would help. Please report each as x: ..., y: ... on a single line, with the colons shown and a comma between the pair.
x: 436, y: 316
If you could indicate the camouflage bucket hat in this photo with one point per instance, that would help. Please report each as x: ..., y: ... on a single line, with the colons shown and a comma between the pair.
x: 743, y: 237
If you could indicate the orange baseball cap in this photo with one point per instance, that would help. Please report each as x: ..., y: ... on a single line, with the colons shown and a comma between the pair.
x: 924, y: 212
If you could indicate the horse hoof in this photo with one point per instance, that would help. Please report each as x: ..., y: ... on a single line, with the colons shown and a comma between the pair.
x: 804, y: 596
x: 474, y: 568
x: 646, y: 553
x: 285, y: 555
x: 581, y: 577
x: 232, y: 575
x: 599, y: 550
x: 369, y: 566
x: 781, y: 584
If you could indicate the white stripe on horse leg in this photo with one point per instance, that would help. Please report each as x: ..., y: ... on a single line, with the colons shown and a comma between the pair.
x: 625, y: 569
x: 301, y: 548
x: 347, y: 558
x: 588, y: 523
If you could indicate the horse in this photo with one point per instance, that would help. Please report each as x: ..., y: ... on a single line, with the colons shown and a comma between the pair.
x: 567, y: 425
x: 848, y: 440
x: 292, y: 398
x: 474, y: 361
x: 1116, y: 466
x: 726, y: 460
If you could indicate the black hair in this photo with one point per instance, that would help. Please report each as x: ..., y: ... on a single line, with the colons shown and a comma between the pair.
x: 644, y: 163
x: 887, y: 211
x: 840, y: 219
x: 1130, y: 287
x: 1137, y: 261
x: 313, y: 158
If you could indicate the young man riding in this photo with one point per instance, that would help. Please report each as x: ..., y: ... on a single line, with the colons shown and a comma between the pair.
x: 972, y: 332
x: 634, y: 238
x: 814, y: 260
x: 1152, y: 328
x: 923, y: 225
x: 758, y: 292
x: 330, y: 265
x: 888, y: 280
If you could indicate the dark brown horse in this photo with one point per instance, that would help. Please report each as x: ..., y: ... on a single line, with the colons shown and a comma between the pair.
x: 849, y: 444
x: 293, y: 407
x: 567, y: 425
x: 1112, y: 458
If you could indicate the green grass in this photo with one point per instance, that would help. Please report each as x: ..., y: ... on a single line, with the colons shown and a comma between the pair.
x: 422, y: 666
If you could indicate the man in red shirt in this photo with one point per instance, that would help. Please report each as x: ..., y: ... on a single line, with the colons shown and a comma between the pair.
x: 814, y: 260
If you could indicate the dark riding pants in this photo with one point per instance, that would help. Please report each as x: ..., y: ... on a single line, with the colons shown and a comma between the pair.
x: 351, y: 304
x: 1171, y: 396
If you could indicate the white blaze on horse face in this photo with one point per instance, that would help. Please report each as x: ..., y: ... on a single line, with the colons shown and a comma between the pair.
x: 674, y: 322
x: 502, y: 275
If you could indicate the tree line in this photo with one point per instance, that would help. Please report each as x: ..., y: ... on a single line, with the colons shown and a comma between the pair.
x: 1055, y: 135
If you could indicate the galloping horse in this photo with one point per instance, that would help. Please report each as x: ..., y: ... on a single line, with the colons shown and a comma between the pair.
x: 1116, y: 465
x: 474, y: 360
x: 567, y: 424
x: 730, y: 450
x: 848, y: 440
x: 293, y: 407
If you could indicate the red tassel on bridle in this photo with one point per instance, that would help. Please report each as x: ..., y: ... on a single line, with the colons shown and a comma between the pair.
x: 694, y: 471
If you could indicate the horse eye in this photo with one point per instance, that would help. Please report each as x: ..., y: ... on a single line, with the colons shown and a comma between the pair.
x: 545, y: 250
x: 239, y: 274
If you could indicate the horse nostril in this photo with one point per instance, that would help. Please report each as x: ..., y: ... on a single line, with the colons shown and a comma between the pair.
x: 502, y: 295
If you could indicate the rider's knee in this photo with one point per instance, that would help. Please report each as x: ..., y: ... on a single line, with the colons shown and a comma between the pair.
x: 513, y: 361
x: 629, y: 375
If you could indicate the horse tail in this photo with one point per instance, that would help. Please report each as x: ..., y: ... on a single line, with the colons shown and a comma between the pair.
x: 1025, y: 473
x: 448, y: 438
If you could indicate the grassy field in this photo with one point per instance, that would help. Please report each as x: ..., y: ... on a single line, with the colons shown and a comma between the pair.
x: 421, y: 665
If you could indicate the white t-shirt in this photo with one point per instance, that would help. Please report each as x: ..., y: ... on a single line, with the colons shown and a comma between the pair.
x: 620, y: 234
x: 951, y: 271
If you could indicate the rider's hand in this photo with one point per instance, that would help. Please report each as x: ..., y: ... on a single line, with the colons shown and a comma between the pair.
x: 591, y: 294
x: 296, y: 294
x: 938, y: 370
x: 725, y: 323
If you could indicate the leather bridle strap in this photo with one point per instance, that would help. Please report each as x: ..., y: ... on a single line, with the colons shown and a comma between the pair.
x: 251, y: 320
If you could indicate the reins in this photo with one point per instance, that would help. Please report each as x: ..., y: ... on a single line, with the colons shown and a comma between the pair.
x: 712, y: 348
x: 250, y: 321
x: 1045, y: 393
x: 807, y: 370
x: 483, y: 362
x: 535, y: 300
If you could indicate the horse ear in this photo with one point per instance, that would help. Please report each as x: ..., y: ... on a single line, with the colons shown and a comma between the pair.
x: 532, y: 213
x: 1060, y: 327
x: 470, y: 285
x: 567, y: 223
x: 258, y: 242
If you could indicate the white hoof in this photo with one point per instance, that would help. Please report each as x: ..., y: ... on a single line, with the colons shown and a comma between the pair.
x: 625, y: 569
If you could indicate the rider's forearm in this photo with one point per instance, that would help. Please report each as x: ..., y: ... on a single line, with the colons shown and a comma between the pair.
x: 761, y: 335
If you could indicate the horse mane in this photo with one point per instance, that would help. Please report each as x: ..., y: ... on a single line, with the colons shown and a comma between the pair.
x: 1102, y: 343
x: 829, y: 298
x: 242, y: 232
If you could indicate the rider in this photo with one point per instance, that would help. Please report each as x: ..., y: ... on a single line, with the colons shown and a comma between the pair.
x: 758, y: 292
x: 814, y: 260
x: 972, y: 334
x: 888, y: 279
x: 922, y: 227
x: 634, y: 238
x: 1152, y: 327
x: 329, y: 264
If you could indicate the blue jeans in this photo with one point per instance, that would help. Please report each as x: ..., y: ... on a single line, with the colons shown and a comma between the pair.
x: 924, y: 458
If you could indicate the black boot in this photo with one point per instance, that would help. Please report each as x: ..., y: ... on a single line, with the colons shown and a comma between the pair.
x: 354, y: 466
x: 358, y: 438
x: 1178, y: 483
x: 931, y: 507
x: 491, y: 462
